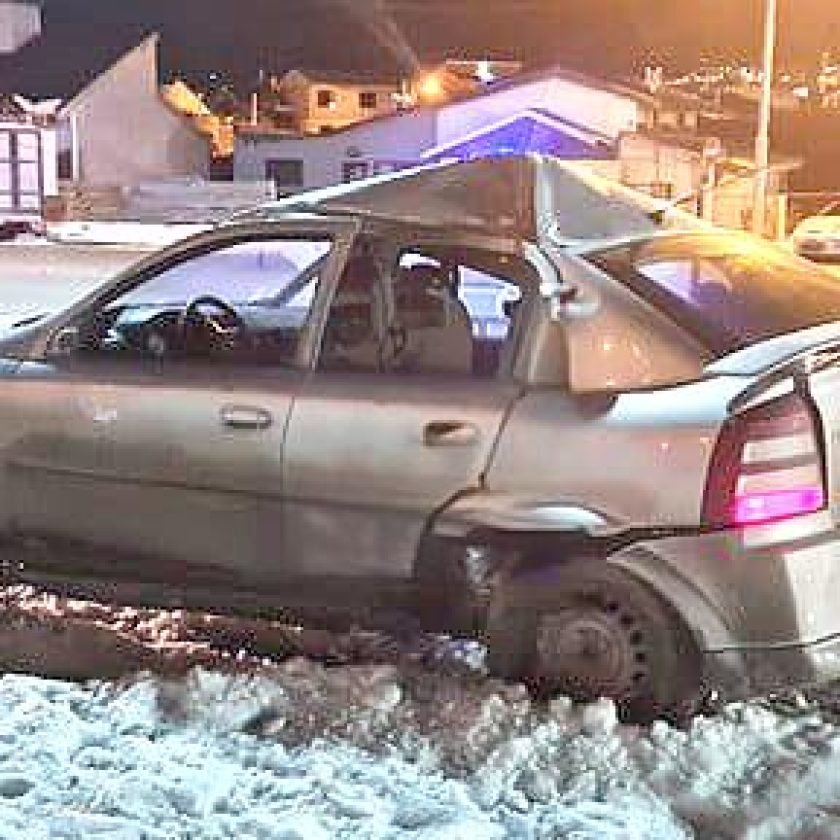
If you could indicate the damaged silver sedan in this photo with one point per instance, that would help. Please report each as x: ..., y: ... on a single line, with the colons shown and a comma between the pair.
x: 500, y: 396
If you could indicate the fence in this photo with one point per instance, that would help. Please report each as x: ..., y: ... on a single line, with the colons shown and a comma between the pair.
x: 164, y: 202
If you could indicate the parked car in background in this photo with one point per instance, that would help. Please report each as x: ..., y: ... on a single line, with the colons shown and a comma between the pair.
x: 818, y: 237
x: 627, y: 485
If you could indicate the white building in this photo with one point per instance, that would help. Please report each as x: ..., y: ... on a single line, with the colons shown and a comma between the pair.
x: 295, y: 163
x: 28, y: 172
x: 329, y: 102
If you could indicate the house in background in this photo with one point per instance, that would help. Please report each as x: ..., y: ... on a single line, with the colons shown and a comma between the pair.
x: 533, y: 130
x: 114, y: 128
x: 28, y: 169
x: 28, y: 164
x: 292, y: 163
x: 329, y: 102
x: 481, y: 71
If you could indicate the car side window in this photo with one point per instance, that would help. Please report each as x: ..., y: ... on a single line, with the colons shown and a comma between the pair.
x: 245, y: 303
x: 421, y: 315
x: 455, y: 317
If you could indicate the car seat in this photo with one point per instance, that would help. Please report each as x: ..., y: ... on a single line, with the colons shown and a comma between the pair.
x: 437, y: 327
x: 354, y: 326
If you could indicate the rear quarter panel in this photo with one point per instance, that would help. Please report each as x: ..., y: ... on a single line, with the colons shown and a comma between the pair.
x: 635, y: 460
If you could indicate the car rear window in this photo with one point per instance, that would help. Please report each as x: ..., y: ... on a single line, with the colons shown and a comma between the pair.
x: 728, y: 290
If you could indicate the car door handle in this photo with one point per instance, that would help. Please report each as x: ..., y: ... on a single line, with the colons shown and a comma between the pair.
x: 450, y: 433
x: 245, y: 417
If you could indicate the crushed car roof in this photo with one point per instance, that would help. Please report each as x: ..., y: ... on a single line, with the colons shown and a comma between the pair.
x: 525, y: 196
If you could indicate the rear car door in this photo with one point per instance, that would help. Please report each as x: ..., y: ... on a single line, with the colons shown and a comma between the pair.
x: 401, y: 416
x: 161, y: 462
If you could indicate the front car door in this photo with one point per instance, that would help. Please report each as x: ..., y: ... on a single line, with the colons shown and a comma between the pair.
x: 403, y: 411
x: 153, y: 437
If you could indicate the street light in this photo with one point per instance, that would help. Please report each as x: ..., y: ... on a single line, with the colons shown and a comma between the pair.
x: 762, y: 139
x: 431, y: 88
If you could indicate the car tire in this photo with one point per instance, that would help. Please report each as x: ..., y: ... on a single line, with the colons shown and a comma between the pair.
x: 589, y: 630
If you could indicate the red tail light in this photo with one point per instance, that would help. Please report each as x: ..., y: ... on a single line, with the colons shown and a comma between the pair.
x: 767, y: 466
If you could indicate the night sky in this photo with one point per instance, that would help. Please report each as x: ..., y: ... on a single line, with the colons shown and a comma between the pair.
x: 611, y: 37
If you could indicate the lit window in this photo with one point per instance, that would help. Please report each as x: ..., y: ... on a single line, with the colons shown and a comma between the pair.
x: 327, y: 99
x: 368, y: 100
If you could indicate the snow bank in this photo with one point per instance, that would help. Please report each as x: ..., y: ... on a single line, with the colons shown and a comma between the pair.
x: 379, y: 739
x: 219, y: 756
x: 122, y: 233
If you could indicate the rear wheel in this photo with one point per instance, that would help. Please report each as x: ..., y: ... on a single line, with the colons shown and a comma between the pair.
x: 589, y: 630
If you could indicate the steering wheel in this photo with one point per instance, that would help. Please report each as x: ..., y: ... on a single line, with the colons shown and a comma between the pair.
x: 220, y: 334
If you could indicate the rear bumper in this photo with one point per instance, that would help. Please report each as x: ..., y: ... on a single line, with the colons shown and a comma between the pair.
x: 743, y: 672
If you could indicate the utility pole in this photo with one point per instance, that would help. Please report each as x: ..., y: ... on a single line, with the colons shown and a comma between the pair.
x: 765, y: 108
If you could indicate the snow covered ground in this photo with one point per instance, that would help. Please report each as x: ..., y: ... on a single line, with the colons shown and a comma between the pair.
x: 178, y: 726
x: 122, y: 233
x: 360, y: 736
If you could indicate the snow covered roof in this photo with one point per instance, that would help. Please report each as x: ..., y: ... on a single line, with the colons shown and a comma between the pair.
x: 524, y: 196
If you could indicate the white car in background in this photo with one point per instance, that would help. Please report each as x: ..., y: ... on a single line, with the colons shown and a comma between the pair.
x: 818, y: 237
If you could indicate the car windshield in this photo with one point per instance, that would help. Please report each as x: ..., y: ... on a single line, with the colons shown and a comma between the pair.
x: 729, y: 291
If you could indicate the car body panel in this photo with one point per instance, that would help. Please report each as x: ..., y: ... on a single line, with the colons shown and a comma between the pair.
x: 363, y: 473
x: 552, y: 453
x: 775, y: 353
x: 612, y: 340
x: 756, y: 604
x: 100, y: 454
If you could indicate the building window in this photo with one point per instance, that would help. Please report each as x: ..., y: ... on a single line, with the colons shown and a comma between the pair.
x: 287, y: 174
x: 662, y: 189
x: 65, y: 165
x: 668, y: 119
x: 368, y: 100
x: 327, y: 99
x: 385, y: 167
x: 21, y: 171
x: 354, y: 170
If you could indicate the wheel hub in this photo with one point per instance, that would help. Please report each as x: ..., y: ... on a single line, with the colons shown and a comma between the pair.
x: 590, y: 651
